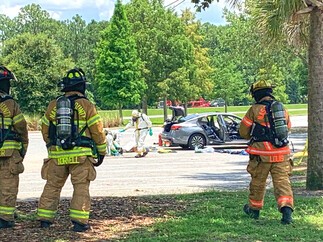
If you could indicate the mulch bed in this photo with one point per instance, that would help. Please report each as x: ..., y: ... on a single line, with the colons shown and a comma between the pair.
x: 111, y: 219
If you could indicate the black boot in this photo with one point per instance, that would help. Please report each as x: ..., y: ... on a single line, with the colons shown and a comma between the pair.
x: 251, y: 212
x: 287, y: 215
x: 79, y: 227
x: 5, y: 224
x: 45, y: 224
x: 145, y: 152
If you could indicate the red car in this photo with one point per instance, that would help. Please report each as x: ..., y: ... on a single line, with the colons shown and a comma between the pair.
x: 199, y: 103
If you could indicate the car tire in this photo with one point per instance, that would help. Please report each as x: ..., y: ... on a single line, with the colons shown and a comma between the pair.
x: 196, y: 140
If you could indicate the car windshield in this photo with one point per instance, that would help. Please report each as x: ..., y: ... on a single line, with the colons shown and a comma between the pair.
x: 188, y: 117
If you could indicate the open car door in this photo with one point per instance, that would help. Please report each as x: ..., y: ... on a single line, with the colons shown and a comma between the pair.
x: 177, y: 113
x: 223, y: 132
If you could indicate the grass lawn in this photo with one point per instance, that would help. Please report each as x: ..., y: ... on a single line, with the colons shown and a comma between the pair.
x: 203, y: 217
x: 200, y: 217
x: 111, y: 117
x: 293, y: 109
x: 218, y: 216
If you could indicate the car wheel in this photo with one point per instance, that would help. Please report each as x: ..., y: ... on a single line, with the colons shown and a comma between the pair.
x: 196, y: 140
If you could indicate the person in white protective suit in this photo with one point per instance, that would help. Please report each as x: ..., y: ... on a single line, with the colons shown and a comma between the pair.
x: 142, y: 125
x: 113, y: 143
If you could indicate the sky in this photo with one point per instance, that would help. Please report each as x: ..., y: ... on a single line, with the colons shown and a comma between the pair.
x: 103, y: 9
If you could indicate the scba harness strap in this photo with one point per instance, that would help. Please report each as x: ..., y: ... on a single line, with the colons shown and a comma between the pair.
x: 277, y: 131
x: 6, y: 133
x: 73, y: 138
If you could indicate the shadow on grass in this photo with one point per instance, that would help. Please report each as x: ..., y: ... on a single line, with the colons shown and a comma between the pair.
x: 208, y: 216
x: 218, y: 216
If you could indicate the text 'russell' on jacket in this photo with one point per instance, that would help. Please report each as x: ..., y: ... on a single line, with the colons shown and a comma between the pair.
x: 73, y: 132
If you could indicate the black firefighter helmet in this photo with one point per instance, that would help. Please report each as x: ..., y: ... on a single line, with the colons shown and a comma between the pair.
x: 74, y: 80
x: 5, y: 77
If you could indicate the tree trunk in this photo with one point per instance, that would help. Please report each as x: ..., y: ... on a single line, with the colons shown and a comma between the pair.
x: 225, y: 103
x: 165, y: 108
x: 144, y: 105
x: 185, y: 108
x: 120, y: 114
x: 315, y: 103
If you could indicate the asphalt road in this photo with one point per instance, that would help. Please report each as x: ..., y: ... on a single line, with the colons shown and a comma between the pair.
x: 180, y: 171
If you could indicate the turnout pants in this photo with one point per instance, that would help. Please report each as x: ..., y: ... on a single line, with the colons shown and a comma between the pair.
x: 56, y: 175
x: 140, y: 136
x: 280, y: 172
x: 10, y: 168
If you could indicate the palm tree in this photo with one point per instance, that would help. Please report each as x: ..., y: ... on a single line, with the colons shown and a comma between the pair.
x: 301, y: 22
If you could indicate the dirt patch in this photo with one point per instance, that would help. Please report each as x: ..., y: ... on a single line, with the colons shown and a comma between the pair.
x: 111, y: 218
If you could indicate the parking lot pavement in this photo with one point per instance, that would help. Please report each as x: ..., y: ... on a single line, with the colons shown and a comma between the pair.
x: 180, y: 171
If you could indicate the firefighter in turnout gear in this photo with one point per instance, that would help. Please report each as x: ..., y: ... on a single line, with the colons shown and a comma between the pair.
x: 13, y: 147
x: 267, y: 156
x: 142, y: 125
x: 74, y: 136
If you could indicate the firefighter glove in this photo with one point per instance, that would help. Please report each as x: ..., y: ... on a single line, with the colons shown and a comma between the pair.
x: 22, y: 153
x: 100, y: 160
x: 150, y: 132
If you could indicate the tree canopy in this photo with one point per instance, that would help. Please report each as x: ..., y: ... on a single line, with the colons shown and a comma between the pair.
x: 38, y: 64
x: 118, y: 65
x: 292, y: 21
x: 178, y: 57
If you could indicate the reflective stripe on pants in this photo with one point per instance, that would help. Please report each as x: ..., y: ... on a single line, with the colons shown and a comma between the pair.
x: 280, y: 172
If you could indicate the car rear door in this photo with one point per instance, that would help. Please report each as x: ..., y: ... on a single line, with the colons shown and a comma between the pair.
x: 223, y: 133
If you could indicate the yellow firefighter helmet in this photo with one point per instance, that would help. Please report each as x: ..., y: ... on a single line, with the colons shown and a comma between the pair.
x: 262, y: 84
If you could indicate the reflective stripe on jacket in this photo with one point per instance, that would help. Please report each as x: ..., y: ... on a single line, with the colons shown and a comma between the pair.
x: 13, y: 120
x: 88, y: 117
x: 256, y: 113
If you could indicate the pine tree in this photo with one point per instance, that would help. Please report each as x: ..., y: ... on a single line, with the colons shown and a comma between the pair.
x: 118, y: 65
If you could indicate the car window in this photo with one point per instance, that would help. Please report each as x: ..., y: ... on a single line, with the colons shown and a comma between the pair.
x: 204, y: 120
x: 231, y: 119
x: 188, y: 117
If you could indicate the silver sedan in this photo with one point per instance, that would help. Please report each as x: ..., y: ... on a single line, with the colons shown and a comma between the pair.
x: 198, y: 130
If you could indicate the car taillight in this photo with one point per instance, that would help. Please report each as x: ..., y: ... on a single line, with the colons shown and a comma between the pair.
x: 175, y: 127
